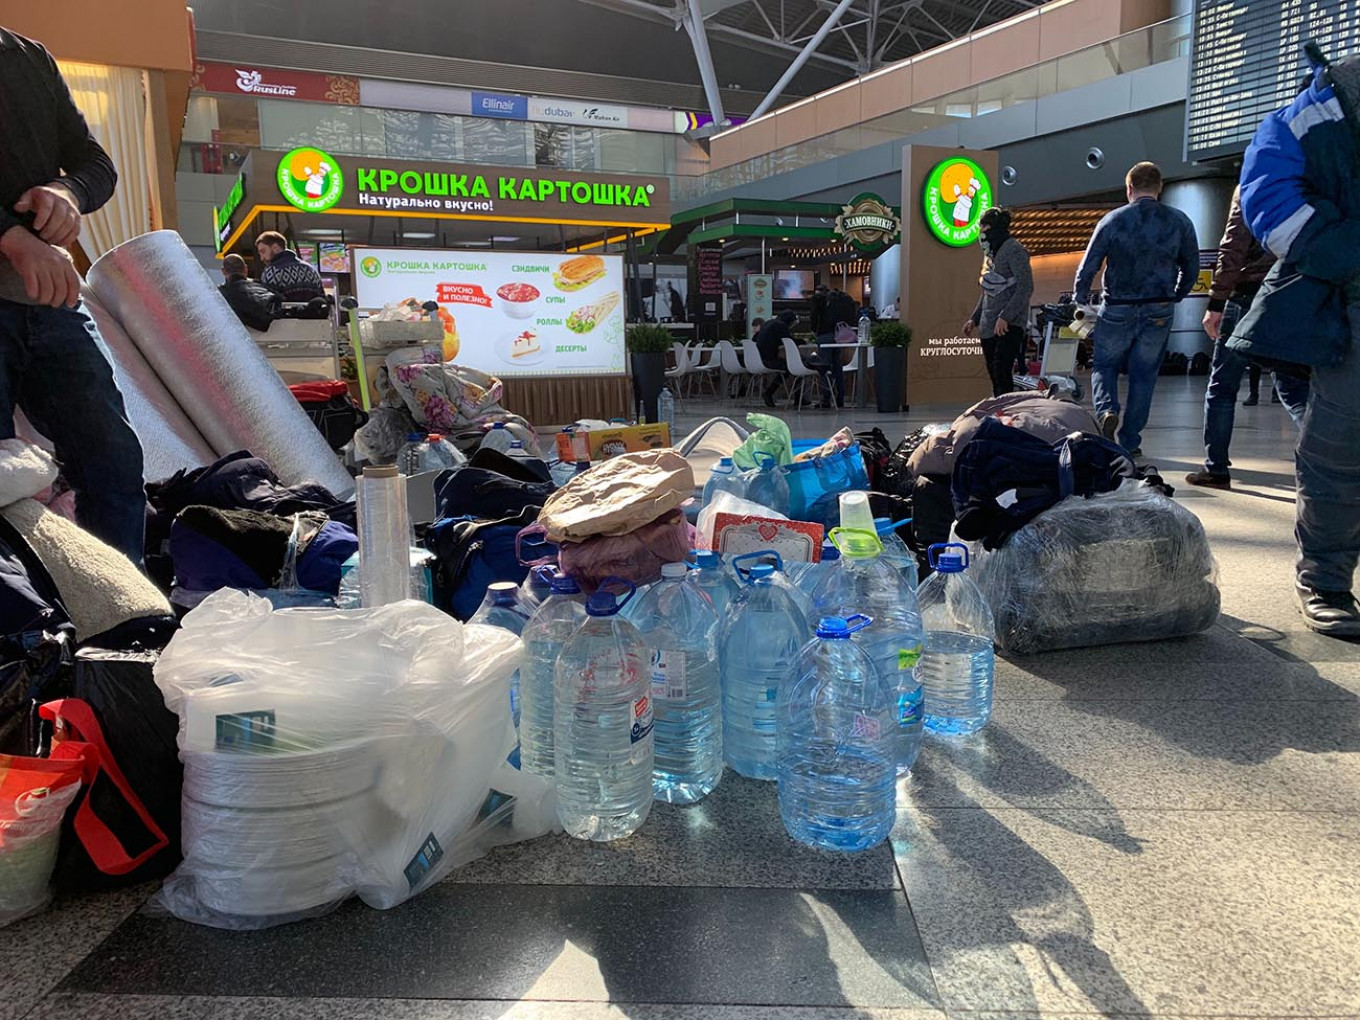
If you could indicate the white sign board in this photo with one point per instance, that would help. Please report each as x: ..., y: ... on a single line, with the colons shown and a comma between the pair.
x: 509, y: 313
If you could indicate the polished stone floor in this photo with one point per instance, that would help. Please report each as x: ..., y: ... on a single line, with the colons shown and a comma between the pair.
x: 1168, y: 829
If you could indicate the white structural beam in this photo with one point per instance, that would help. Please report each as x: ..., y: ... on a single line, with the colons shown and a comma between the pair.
x: 692, y: 17
x: 802, y: 58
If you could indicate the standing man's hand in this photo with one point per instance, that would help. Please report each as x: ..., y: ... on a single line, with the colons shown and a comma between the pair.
x: 48, y: 275
x: 968, y: 326
x: 1002, y: 327
x: 56, y: 216
x: 1213, y: 324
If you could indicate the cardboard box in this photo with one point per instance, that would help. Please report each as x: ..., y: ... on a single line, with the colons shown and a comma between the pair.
x: 795, y: 541
x: 602, y: 444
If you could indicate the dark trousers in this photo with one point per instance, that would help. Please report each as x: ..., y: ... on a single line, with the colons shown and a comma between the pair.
x: 1001, y: 354
x: 828, y: 364
x: 53, y: 367
x: 776, y: 365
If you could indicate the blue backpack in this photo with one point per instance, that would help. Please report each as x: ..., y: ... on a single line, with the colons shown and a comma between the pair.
x: 472, y: 554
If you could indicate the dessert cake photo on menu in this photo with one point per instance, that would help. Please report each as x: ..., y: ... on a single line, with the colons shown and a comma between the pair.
x: 579, y: 272
x: 524, y: 344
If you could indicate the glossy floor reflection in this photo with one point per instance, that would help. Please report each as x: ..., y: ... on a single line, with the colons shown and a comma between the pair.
x: 1167, y: 829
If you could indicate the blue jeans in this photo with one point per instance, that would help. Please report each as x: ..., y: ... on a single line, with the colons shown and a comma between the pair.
x: 1129, y: 338
x: 1220, y: 399
x: 54, y: 367
x: 1327, y: 468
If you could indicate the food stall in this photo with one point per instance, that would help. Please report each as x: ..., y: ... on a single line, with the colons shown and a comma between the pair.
x: 479, y: 241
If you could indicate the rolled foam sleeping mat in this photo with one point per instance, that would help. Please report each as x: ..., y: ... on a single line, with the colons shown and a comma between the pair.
x: 199, y: 349
x: 170, y: 441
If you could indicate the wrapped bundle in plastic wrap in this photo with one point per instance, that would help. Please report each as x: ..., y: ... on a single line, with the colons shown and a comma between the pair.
x: 1128, y: 565
x: 330, y: 753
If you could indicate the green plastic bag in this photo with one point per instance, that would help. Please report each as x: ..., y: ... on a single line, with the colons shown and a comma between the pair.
x: 770, y: 437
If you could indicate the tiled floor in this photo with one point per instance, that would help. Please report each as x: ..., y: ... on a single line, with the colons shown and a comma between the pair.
x: 1169, y: 829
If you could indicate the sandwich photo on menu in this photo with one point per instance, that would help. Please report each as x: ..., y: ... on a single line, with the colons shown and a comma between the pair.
x: 578, y: 273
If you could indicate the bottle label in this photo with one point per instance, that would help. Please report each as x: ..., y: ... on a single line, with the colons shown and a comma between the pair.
x: 246, y: 731
x: 909, y: 708
x: 426, y: 858
x: 907, y: 658
x: 668, y: 674
x: 867, y: 728
x: 642, y: 718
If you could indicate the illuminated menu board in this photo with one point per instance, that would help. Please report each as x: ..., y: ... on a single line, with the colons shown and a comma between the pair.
x: 1248, y: 61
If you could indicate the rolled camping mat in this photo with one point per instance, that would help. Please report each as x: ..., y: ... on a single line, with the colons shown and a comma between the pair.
x: 170, y: 441
x: 202, y: 353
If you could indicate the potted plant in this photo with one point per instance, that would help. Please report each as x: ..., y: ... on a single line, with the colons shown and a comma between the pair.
x: 647, y: 348
x: 890, y: 341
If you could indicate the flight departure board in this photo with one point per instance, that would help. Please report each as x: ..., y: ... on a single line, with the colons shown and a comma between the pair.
x: 1248, y: 61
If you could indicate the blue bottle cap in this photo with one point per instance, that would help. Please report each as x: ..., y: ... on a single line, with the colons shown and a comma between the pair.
x: 951, y: 558
x: 725, y: 462
x: 498, y: 425
x: 416, y: 437
x: 706, y: 559
x: 604, y: 602
x: 517, y: 445
x: 761, y: 570
x: 830, y: 554
x: 563, y: 584
x: 838, y: 628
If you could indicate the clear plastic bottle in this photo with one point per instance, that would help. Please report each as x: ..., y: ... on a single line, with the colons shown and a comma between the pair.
x: 758, y: 643
x: 958, y: 664
x: 498, y: 438
x: 518, y: 452
x: 807, y: 576
x: 602, y: 725
x: 713, y: 579
x: 502, y: 607
x: 665, y: 410
x: 679, y: 626
x: 552, y: 625
x: 409, y: 457
x: 896, y: 551
x: 867, y: 583
x: 429, y: 452
x: 865, y: 327
x: 836, y: 753
x: 723, y: 478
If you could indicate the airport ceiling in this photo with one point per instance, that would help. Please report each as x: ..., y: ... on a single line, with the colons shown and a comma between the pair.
x: 866, y: 35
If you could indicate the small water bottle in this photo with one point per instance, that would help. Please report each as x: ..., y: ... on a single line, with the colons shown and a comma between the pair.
x: 502, y: 607
x: 864, y: 327
x: 867, y: 582
x: 665, y: 410
x: 896, y: 551
x: 411, y: 455
x: 723, y: 478
x: 556, y: 619
x: 602, y: 724
x: 679, y: 626
x: 757, y: 645
x: 957, y: 667
x: 497, y: 438
x: 711, y: 577
x: 837, y: 788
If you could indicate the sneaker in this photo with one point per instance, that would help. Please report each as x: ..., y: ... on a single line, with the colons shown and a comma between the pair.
x: 1251, y: 401
x: 1329, y: 612
x: 1210, y: 480
x: 1109, y: 424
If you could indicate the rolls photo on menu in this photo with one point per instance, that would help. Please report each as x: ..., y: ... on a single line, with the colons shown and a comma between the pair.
x: 508, y: 313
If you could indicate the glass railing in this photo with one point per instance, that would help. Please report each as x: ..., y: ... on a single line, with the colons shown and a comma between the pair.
x: 1154, y: 44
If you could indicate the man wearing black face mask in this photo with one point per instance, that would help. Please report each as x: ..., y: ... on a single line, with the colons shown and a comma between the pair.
x: 1003, y: 309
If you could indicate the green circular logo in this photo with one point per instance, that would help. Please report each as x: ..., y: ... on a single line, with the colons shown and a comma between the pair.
x: 310, y: 179
x: 957, y: 194
x: 370, y: 266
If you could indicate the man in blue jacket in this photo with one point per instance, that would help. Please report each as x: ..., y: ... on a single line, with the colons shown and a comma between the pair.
x: 1301, y: 198
x: 1151, y: 258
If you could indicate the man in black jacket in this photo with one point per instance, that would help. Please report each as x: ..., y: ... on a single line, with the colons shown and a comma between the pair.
x: 284, y: 273
x: 52, y: 363
x: 254, y: 304
x: 770, y: 344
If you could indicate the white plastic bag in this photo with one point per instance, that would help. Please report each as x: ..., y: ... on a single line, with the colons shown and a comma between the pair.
x: 330, y: 753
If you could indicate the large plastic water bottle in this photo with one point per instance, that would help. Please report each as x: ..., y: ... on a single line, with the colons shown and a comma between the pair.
x: 896, y: 551
x: 866, y: 582
x: 723, y: 478
x: 678, y: 625
x: 497, y: 438
x: 504, y: 608
x: 713, y: 579
x: 957, y: 666
x: 665, y: 410
x: 757, y: 645
x: 518, y: 452
x: 602, y: 724
x: 554, y: 622
x: 409, y: 457
x: 807, y: 576
x: 836, y: 753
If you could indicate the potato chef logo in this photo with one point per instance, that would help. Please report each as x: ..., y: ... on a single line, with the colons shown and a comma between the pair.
x: 869, y: 223
x: 370, y: 266
x: 957, y: 194
x: 310, y: 179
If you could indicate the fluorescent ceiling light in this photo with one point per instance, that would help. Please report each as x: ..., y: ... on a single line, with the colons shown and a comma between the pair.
x: 503, y: 238
x: 418, y: 235
x: 475, y: 244
x: 321, y: 232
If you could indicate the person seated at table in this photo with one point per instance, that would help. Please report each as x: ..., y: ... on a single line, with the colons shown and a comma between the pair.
x: 770, y: 343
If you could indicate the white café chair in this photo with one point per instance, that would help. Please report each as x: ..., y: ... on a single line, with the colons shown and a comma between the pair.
x: 799, y: 370
x: 754, y: 366
x: 676, y: 376
x: 703, y: 365
x: 851, y: 372
x: 728, y: 360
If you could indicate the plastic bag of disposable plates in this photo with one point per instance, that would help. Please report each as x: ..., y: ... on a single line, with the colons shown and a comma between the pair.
x: 1128, y: 565
x: 330, y: 753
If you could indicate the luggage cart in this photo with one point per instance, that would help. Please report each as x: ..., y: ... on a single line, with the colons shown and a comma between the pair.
x: 1058, y: 357
x: 368, y: 338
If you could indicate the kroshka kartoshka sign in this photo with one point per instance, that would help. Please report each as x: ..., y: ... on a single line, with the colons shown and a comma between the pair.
x: 957, y: 193
x: 869, y: 224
